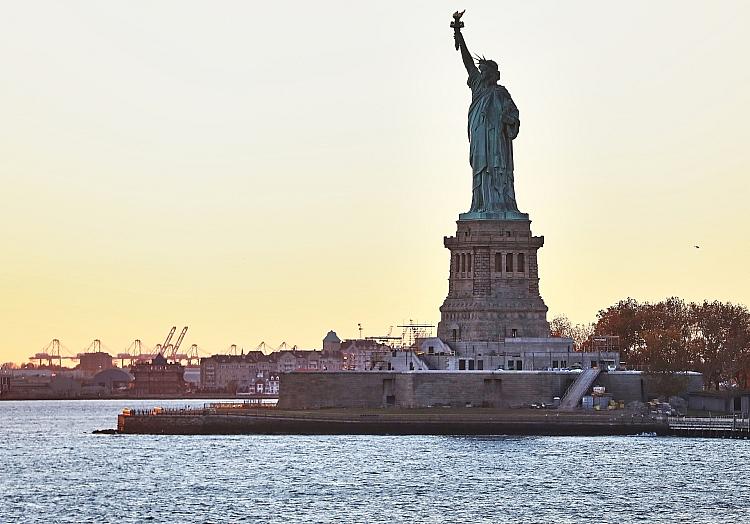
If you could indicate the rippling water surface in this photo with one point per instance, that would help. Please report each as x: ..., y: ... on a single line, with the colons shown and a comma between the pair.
x: 52, y: 469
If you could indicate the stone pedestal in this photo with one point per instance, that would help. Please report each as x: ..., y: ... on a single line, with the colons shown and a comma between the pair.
x: 493, y: 288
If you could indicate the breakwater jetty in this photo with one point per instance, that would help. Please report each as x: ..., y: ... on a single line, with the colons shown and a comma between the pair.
x: 240, y: 418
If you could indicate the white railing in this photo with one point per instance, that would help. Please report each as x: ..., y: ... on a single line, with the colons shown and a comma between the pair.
x: 719, y: 423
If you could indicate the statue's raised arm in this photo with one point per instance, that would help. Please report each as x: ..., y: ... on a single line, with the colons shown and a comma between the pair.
x: 457, y: 24
x: 493, y: 125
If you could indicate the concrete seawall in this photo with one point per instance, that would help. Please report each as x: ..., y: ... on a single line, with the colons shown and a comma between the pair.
x: 438, y: 421
x: 500, y: 390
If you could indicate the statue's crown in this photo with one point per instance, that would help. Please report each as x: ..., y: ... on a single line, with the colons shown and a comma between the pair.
x: 481, y: 60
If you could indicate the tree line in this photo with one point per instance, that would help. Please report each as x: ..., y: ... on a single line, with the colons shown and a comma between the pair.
x: 673, y: 335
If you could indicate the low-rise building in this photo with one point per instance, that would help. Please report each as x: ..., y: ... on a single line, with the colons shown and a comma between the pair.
x: 331, y: 342
x: 233, y: 373
x: 38, y: 384
x: 729, y: 402
x: 405, y: 360
x: 92, y: 363
x: 158, y: 377
x: 272, y: 385
x: 527, y: 354
x: 109, y: 381
x: 364, y: 355
x: 241, y: 373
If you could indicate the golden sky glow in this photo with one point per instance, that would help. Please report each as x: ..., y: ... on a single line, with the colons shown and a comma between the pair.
x: 270, y: 171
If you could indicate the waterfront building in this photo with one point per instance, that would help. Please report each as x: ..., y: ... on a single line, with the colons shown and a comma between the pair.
x: 158, y: 377
x: 729, y: 402
x: 232, y: 373
x: 272, y: 385
x: 404, y: 360
x: 192, y: 376
x: 331, y: 360
x: 331, y: 342
x: 364, y: 355
x: 530, y: 354
x: 63, y: 384
x: 306, y: 360
x: 111, y: 381
x: 38, y: 384
x: 92, y: 363
x: 296, y: 360
x: 240, y: 373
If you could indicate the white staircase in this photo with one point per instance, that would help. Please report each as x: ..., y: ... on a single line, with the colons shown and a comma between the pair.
x: 579, y: 388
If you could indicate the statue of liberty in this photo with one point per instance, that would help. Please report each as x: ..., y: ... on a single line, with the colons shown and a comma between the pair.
x: 493, y: 124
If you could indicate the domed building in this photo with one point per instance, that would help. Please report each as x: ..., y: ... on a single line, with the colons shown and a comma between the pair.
x: 113, y: 379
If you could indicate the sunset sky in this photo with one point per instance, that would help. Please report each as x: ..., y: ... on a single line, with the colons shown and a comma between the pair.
x: 267, y: 171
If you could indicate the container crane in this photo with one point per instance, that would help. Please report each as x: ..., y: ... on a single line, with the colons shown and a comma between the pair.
x: 163, y: 347
x: 131, y: 354
x: 176, y: 347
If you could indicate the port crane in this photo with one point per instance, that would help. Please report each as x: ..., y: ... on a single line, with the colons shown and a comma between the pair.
x: 173, y: 355
x: 163, y: 347
x: 131, y: 354
x: 192, y: 355
x: 53, y: 354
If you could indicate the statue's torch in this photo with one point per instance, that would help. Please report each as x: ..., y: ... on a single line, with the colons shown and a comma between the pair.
x: 457, y: 24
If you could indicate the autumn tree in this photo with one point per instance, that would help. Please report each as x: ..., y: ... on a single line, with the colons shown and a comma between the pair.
x: 625, y: 320
x: 672, y: 335
x: 561, y: 326
x: 722, y: 341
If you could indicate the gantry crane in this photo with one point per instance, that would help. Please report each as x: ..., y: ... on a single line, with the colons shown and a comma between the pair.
x: 173, y: 355
x: 163, y: 347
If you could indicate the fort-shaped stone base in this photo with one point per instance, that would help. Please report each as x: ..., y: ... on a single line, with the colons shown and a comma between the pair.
x: 493, y: 290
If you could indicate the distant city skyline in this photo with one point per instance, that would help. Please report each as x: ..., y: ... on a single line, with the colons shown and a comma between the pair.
x: 185, y: 164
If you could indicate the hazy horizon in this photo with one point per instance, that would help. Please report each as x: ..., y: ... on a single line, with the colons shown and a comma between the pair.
x: 267, y: 173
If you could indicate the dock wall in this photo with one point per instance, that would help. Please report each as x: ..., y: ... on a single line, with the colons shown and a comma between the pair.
x: 387, y: 422
x: 417, y: 390
x: 487, y: 389
x: 643, y: 387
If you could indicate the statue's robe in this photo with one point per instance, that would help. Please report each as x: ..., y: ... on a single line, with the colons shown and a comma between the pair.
x: 493, y: 124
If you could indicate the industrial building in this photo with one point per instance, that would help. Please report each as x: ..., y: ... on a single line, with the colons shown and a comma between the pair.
x: 158, y: 378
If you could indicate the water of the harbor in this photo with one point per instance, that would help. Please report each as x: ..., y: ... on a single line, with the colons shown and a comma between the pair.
x: 53, y: 469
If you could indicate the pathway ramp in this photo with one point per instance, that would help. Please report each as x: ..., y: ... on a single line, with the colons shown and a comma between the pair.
x: 579, y: 388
